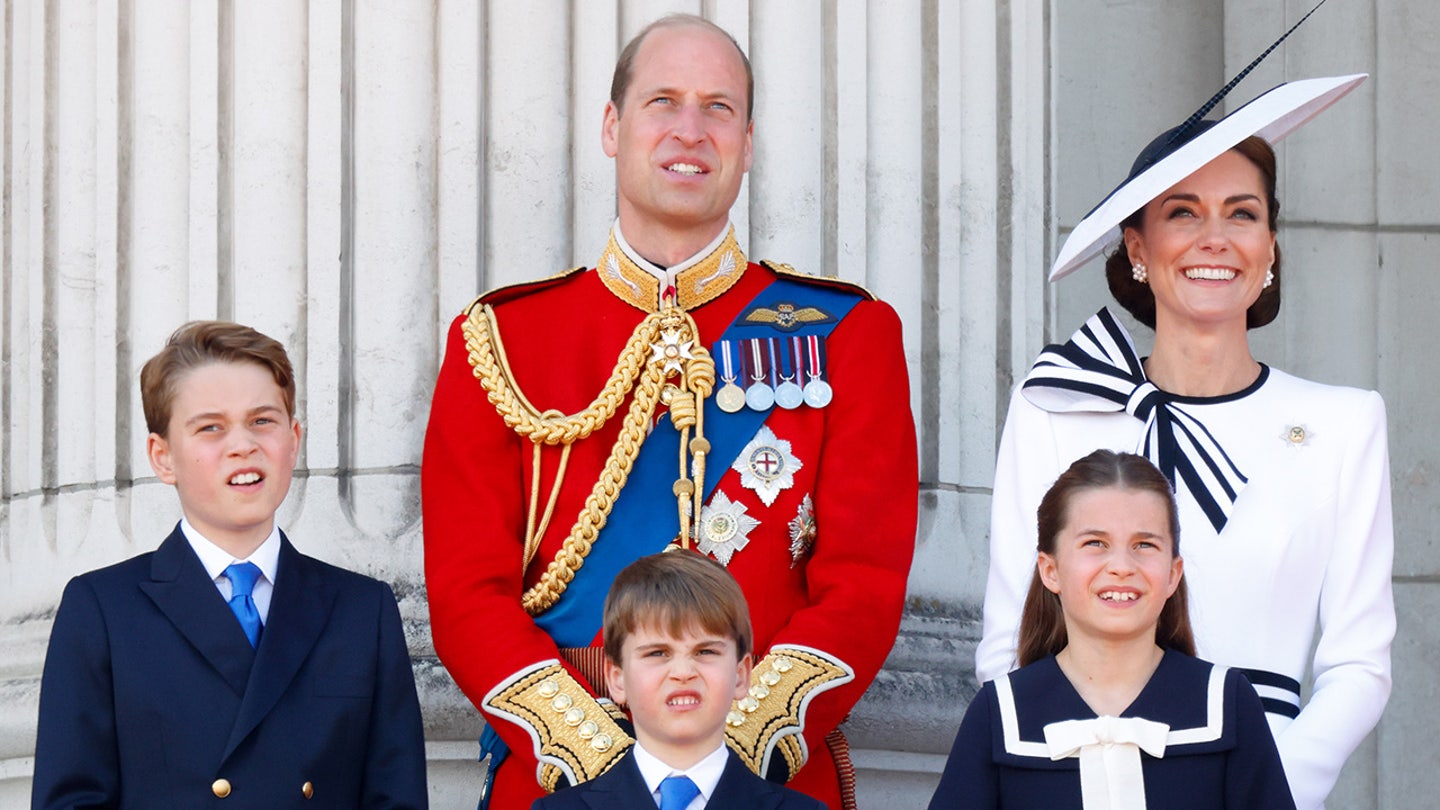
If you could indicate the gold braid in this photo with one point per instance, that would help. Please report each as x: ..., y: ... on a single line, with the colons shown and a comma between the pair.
x: 636, y: 365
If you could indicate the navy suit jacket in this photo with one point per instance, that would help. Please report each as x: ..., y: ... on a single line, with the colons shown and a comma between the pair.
x: 151, y: 692
x: 623, y: 788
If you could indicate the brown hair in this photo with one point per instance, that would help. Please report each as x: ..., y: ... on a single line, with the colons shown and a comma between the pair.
x: 201, y: 343
x: 624, y: 66
x: 1042, y: 624
x: 1139, y: 299
x: 676, y: 591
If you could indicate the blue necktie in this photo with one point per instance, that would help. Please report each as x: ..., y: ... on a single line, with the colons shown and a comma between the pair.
x: 242, y: 581
x: 676, y: 793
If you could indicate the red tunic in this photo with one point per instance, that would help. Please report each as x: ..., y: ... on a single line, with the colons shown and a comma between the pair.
x: 562, y: 339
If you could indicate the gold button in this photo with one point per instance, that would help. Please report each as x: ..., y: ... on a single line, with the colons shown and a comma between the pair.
x: 561, y: 703
x: 588, y: 729
x: 782, y: 664
x: 770, y: 677
x: 575, y: 717
x: 220, y: 787
x: 735, y: 718
x: 748, y: 704
x: 307, y: 790
x: 601, y: 742
x: 549, y: 689
x: 759, y: 691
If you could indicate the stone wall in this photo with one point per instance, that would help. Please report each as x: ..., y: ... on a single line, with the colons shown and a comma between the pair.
x: 347, y: 174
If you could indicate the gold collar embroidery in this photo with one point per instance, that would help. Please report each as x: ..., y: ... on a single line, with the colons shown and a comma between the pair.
x: 697, y: 284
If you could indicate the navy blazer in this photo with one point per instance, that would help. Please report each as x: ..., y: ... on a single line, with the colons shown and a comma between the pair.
x: 623, y: 788
x: 152, y: 697
x: 1219, y: 753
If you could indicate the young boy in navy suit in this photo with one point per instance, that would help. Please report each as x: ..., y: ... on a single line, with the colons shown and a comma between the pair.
x: 677, y: 655
x: 225, y: 668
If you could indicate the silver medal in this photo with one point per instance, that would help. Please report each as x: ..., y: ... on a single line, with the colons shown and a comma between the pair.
x: 789, y: 396
x: 818, y: 393
x: 759, y: 397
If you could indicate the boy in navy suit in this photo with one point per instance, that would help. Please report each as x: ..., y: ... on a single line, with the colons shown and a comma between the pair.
x: 677, y: 654
x: 225, y: 668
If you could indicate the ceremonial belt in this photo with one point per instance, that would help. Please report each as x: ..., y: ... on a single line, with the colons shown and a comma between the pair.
x: 1099, y: 370
x: 641, y: 522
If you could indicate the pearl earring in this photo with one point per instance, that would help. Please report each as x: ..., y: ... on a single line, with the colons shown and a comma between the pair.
x: 1140, y: 273
x: 1269, y: 276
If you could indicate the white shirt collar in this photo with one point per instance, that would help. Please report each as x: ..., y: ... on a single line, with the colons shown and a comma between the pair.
x: 216, y: 559
x: 667, y: 276
x: 705, y: 774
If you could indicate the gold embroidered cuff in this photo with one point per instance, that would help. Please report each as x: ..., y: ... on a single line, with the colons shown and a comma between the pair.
x: 767, y: 722
x: 575, y: 736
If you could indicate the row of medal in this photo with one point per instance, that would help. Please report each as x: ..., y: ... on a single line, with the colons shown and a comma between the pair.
x: 784, y: 371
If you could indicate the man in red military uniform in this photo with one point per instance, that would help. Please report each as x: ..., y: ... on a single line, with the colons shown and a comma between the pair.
x: 676, y: 395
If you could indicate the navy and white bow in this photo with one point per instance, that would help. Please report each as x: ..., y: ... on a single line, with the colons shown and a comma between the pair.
x: 1098, y: 370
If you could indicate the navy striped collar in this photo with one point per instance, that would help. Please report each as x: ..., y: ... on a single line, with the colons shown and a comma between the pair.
x: 1098, y: 370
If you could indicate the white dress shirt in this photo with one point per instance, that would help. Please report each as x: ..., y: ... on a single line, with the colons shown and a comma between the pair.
x: 705, y: 773
x: 216, y: 560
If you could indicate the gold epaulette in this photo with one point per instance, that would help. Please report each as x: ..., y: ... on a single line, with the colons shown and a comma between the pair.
x: 789, y: 271
x: 509, y: 292
x: 769, y: 720
x: 575, y: 736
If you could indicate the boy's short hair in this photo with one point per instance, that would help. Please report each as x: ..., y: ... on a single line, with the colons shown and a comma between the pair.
x: 674, y: 592
x: 200, y: 343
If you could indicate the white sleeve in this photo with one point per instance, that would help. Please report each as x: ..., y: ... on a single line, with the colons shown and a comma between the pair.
x: 1357, y: 620
x: 1025, y: 467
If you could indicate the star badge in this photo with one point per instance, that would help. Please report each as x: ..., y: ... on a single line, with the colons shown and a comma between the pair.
x: 802, y: 531
x: 767, y: 466
x: 671, y: 350
x: 724, y: 528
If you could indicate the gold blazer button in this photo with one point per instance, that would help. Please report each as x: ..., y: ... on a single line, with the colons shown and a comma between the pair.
x: 307, y: 790
x: 220, y: 787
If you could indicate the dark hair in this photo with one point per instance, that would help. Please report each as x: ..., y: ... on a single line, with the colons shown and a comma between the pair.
x: 624, y: 66
x: 1042, y: 624
x: 675, y: 591
x: 201, y: 343
x: 1139, y: 299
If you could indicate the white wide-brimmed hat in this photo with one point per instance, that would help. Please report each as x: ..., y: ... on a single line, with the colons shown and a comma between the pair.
x: 1178, y: 153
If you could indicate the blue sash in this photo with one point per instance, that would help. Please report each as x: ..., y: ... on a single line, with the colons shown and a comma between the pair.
x: 642, y: 521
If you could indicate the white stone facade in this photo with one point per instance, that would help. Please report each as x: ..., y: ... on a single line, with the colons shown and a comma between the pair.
x: 345, y: 175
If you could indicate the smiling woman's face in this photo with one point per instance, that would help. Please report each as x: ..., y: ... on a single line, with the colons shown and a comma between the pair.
x: 1206, y: 243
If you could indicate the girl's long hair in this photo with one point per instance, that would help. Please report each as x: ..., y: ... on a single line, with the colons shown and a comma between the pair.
x: 1042, y: 624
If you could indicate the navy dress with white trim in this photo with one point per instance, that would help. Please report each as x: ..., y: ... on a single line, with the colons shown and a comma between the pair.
x: 1218, y: 754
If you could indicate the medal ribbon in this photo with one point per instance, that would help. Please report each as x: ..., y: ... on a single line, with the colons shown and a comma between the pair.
x: 774, y: 366
x: 727, y: 371
x: 631, y: 530
x: 816, y: 353
x: 757, y: 361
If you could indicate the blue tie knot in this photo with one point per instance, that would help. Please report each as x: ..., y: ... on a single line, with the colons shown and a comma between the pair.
x: 676, y: 792
x: 242, y: 578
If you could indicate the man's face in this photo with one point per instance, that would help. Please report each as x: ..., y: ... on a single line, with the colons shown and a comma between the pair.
x: 680, y: 138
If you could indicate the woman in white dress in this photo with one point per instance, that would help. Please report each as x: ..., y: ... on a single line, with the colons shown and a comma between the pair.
x: 1283, y: 484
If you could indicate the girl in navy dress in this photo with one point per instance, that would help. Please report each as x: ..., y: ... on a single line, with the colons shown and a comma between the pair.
x: 1110, y: 709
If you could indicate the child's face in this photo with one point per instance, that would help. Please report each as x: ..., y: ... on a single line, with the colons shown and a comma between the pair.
x: 678, y: 690
x: 1113, y: 566
x: 229, y: 451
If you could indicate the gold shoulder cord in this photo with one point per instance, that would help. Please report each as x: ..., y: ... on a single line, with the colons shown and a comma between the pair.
x: 664, y: 345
